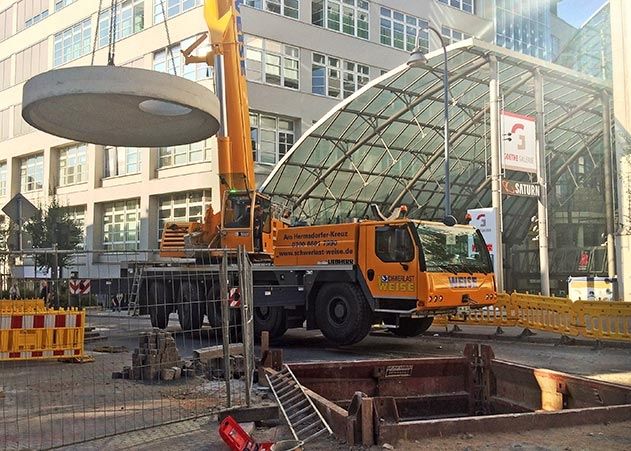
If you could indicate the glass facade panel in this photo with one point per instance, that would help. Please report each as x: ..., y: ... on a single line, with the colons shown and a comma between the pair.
x: 272, y: 137
x: 289, y: 8
x: 73, y: 165
x: 400, y: 30
x: 130, y: 19
x: 172, y: 8
x: 182, y: 207
x: 524, y: 27
x: 337, y: 78
x: 32, y: 173
x: 121, y: 224
x: 121, y: 161
x: 72, y: 43
x: 162, y: 62
x: 346, y: 16
x: 184, y: 154
x: 272, y: 62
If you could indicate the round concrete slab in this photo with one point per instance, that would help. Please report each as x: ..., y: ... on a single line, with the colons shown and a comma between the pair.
x: 120, y: 106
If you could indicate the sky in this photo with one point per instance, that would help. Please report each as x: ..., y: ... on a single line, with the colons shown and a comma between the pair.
x: 576, y: 12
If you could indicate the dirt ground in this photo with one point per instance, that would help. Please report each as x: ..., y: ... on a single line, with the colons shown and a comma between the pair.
x: 103, y: 406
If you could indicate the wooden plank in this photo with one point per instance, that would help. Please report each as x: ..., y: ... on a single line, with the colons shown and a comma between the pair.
x: 368, y: 437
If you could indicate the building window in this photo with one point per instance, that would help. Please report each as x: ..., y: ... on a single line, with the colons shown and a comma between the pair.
x: 73, y: 165
x: 525, y: 29
x: 162, y: 62
x: 272, y: 137
x: 32, y: 173
x: 6, y: 23
x: 400, y: 30
x: 4, y: 123
x: 3, y: 178
x: 452, y: 35
x: 184, y: 154
x: 335, y: 77
x: 121, y: 161
x: 121, y: 224
x: 189, y: 206
x: 60, y: 4
x: 287, y: 8
x: 5, y: 74
x: 72, y: 43
x: 77, y: 214
x: 272, y: 62
x: 31, y: 61
x: 20, y: 126
x: 30, y: 12
x: 346, y: 16
x: 172, y: 8
x: 130, y: 19
x: 467, y: 6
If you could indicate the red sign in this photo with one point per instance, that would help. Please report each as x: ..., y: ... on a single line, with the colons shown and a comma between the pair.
x: 79, y: 286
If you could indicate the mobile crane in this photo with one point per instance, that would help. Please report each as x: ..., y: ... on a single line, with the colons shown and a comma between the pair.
x: 341, y: 278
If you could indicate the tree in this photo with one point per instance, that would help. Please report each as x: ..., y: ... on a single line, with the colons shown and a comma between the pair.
x: 53, y: 227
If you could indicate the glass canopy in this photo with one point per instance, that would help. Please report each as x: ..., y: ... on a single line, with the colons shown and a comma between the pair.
x: 384, y: 144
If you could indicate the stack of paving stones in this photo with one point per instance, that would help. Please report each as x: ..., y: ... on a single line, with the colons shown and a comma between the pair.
x: 156, y: 358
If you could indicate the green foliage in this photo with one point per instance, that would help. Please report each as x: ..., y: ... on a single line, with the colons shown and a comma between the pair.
x: 53, y: 226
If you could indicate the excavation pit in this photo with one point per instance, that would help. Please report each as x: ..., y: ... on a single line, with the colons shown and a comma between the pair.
x: 383, y: 401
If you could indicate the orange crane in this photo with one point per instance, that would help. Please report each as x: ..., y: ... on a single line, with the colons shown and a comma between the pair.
x: 342, y: 278
x: 246, y: 216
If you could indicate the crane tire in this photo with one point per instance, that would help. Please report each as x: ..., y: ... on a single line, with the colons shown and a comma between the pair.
x: 159, y: 304
x: 342, y: 313
x: 191, y: 306
x: 270, y: 319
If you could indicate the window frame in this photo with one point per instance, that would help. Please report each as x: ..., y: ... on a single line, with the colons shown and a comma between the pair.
x: 173, y: 152
x: 288, y: 60
x: 122, y: 8
x: 407, y: 258
x: 336, y: 21
x: 393, y: 16
x: 73, y: 153
x: 117, y: 161
x: 262, y: 5
x: 257, y: 131
x: 343, y: 71
x: 66, y: 42
x: 170, y: 198
x: 29, y: 164
x: 109, y: 210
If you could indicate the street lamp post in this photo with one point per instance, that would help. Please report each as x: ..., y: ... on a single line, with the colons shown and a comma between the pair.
x: 418, y: 59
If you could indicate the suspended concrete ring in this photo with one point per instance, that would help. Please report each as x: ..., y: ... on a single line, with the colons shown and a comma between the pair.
x: 120, y: 106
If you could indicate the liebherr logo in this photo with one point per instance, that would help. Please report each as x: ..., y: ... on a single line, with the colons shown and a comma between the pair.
x: 463, y: 282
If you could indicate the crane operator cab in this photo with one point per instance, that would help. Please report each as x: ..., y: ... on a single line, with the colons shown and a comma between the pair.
x: 247, y: 217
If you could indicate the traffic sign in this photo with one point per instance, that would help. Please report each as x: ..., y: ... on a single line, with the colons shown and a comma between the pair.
x: 79, y: 286
x: 20, y: 208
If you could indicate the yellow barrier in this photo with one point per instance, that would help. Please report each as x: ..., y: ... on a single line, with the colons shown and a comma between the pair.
x: 21, y: 305
x: 601, y: 320
x: 42, y: 334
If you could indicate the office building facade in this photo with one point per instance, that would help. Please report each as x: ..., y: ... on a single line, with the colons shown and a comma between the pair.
x: 303, y: 56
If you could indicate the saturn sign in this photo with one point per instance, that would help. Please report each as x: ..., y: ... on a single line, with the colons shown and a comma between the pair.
x: 521, y: 188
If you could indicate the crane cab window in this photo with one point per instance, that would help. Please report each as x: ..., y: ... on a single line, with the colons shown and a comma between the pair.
x: 394, y: 244
x: 237, y: 212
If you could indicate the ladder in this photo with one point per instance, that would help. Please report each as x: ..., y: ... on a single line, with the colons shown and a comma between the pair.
x: 132, y: 306
x: 303, y: 418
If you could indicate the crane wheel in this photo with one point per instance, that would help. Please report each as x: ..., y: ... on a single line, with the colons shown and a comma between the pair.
x: 271, y: 319
x: 411, y: 327
x: 159, y: 304
x: 191, y: 306
x: 213, y: 304
x: 342, y: 313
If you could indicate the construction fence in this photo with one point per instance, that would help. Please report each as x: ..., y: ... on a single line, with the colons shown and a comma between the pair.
x: 102, y: 307
x: 601, y: 320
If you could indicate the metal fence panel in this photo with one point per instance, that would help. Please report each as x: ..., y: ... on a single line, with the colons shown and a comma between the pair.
x: 141, y: 376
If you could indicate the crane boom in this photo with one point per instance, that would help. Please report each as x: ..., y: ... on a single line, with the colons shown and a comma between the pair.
x: 236, y: 165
